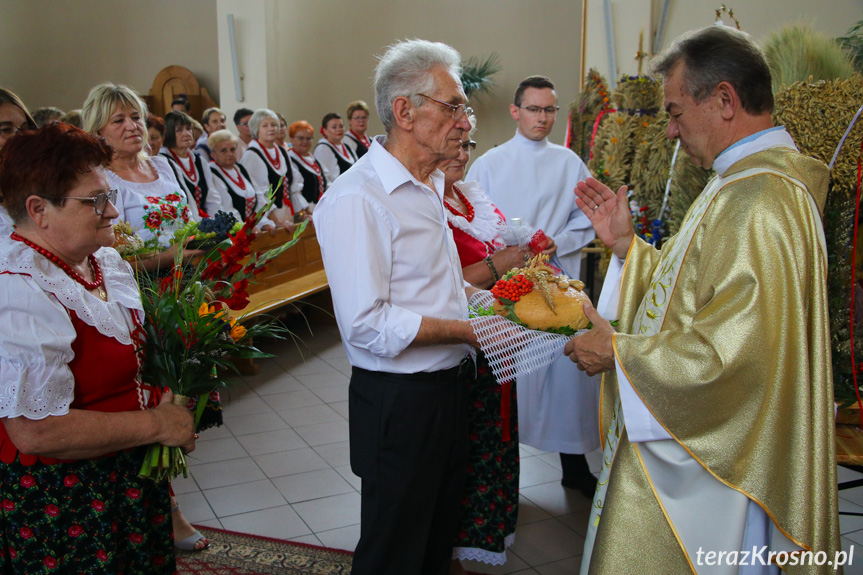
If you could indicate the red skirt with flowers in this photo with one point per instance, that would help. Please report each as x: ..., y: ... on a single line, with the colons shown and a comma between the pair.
x: 490, y: 501
x: 86, y: 516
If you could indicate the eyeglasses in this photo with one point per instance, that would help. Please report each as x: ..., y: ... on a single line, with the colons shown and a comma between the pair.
x: 243, y: 124
x: 99, y: 201
x: 535, y: 110
x: 469, y: 144
x: 7, y: 129
x: 458, y: 111
x: 360, y: 118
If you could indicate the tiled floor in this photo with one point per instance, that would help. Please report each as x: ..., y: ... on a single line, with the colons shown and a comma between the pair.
x: 279, y: 467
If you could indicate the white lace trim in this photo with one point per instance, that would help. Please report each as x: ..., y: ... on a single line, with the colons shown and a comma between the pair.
x: 111, y: 318
x: 487, y: 225
x: 488, y: 557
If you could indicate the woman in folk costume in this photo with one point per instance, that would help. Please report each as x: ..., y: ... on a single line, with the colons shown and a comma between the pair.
x: 358, y: 122
x: 75, y: 418
x: 316, y: 177
x: 231, y: 180
x: 271, y: 171
x: 179, y: 150
x: 490, y: 501
x: 331, y: 151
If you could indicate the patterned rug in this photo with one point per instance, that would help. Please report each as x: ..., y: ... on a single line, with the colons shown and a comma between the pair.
x: 240, y: 554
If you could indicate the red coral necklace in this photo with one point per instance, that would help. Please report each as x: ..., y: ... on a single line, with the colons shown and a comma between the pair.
x: 191, y: 173
x: 470, y: 213
x: 277, y: 161
x: 239, y: 182
x: 94, y: 266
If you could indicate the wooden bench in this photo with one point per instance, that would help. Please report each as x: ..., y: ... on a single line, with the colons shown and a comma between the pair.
x: 296, y: 274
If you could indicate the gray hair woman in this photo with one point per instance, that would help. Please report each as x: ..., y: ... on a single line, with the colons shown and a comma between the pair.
x: 272, y: 173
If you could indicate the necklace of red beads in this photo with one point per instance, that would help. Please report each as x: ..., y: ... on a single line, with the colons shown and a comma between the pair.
x: 94, y: 266
x: 470, y: 213
x: 240, y: 182
x: 191, y: 173
x: 277, y: 161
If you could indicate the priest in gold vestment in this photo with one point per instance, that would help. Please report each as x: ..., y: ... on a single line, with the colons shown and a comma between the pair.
x: 717, y: 398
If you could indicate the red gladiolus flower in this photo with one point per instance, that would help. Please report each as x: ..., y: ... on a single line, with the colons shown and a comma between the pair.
x: 52, y: 510
x: 133, y: 493
x: 28, y: 481
x: 75, y: 531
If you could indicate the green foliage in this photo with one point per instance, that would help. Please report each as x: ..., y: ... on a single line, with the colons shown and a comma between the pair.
x: 796, y: 53
x: 476, y: 74
x: 853, y: 43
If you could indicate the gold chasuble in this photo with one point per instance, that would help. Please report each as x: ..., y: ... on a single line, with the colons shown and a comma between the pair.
x: 736, y: 368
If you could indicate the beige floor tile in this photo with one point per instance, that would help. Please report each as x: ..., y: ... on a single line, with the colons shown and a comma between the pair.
x: 276, y: 522
x: 330, y: 512
x: 290, y: 462
x: 312, y: 485
x: 243, y: 498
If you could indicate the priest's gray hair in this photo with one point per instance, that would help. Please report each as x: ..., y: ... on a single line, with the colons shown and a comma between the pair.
x: 258, y: 117
x: 718, y: 54
x: 405, y: 70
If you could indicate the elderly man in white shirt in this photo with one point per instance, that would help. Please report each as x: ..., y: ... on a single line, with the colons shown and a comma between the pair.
x: 401, y: 305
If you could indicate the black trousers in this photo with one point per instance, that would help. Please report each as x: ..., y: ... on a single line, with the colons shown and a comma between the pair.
x: 409, y: 439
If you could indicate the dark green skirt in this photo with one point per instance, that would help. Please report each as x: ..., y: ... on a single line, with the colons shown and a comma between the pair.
x: 490, y: 501
x: 87, y: 516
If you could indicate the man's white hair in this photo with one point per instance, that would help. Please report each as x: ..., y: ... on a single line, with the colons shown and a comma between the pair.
x: 405, y: 70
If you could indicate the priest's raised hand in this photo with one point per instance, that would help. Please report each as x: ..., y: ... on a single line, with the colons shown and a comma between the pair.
x: 608, y: 212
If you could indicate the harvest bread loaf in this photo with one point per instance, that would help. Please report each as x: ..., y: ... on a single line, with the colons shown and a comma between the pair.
x: 535, y: 297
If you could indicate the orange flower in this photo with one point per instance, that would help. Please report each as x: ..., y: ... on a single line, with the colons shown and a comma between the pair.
x: 237, y: 330
x: 204, y: 310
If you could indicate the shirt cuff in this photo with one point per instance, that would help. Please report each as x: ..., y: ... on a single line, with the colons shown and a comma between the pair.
x: 399, y: 332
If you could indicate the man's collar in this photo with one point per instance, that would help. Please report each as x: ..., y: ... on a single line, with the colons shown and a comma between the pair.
x: 769, y: 138
x: 519, y: 137
x: 393, y: 173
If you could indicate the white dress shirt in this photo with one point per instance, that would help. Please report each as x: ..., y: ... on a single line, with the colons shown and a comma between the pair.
x: 390, y: 260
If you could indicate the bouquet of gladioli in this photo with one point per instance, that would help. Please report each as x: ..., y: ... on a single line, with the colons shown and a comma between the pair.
x: 190, y: 337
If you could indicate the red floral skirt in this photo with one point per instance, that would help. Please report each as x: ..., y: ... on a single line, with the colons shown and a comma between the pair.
x: 87, y: 516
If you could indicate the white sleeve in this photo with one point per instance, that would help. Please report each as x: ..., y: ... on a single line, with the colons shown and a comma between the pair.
x: 299, y: 202
x: 359, y: 277
x: 214, y: 201
x: 35, y: 351
x: 327, y: 158
x: 190, y: 199
x: 254, y: 164
x: 219, y: 189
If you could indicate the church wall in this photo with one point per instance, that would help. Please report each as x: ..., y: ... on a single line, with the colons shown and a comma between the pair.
x: 54, y: 51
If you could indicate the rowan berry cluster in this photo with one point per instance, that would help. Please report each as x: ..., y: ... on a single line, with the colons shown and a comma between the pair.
x: 512, y: 289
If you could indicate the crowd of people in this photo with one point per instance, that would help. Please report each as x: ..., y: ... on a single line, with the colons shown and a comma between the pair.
x: 697, y: 424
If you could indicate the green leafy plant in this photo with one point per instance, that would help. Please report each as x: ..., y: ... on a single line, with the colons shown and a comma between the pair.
x: 476, y: 74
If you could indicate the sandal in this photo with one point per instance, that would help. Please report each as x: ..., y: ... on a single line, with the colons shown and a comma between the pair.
x: 190, y: 543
